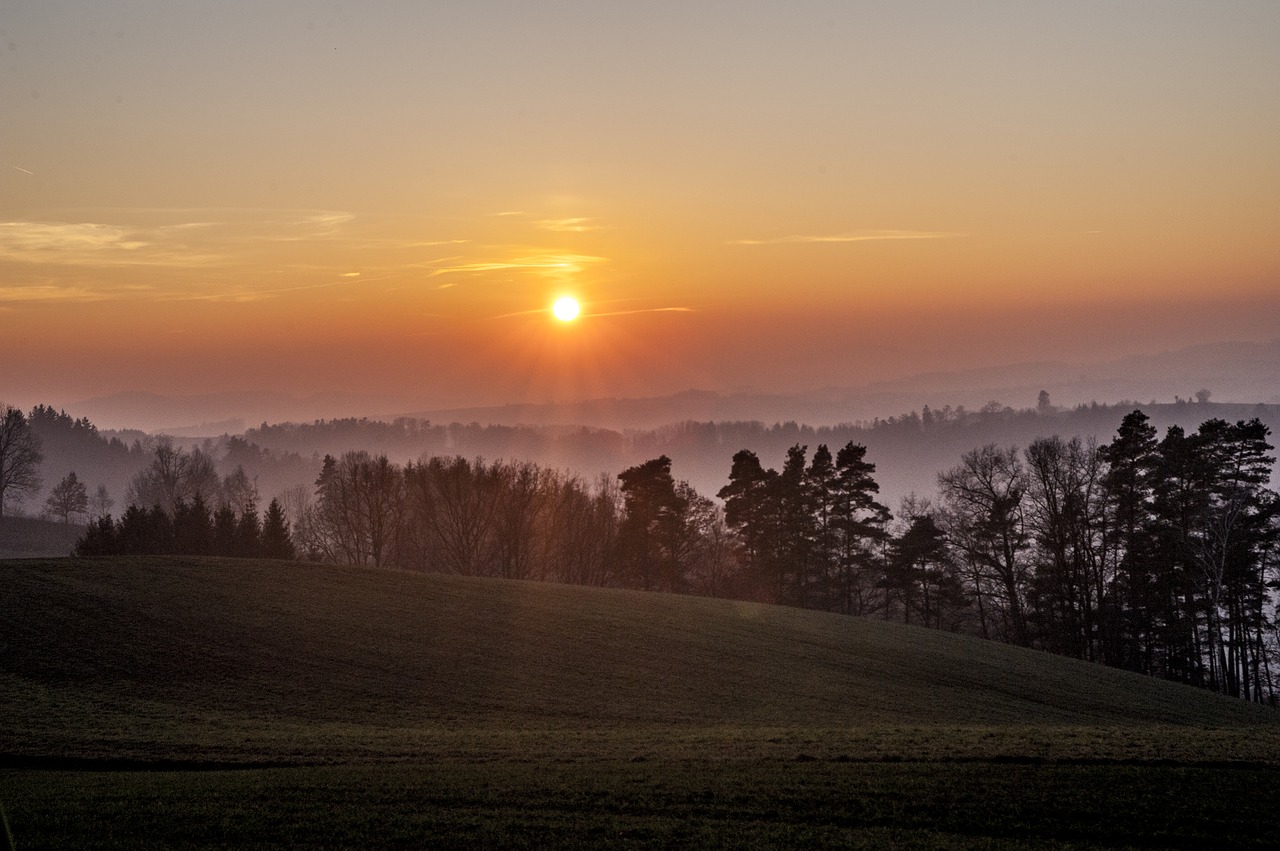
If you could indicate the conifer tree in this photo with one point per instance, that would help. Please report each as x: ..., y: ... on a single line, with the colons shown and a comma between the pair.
x: 248, y: 540
x: 100, y: 539
x: 192, y: 527
x: 276, y: 542
x: 224, y: 531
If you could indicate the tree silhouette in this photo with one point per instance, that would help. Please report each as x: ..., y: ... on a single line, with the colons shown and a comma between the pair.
x: 19, y: 457
x: 652, y: 526
x: 275, y: 541
x: 68, y: 497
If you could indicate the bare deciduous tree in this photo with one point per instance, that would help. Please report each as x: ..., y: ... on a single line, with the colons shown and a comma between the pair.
x: 68, y: 497
x: 19, y: 457
x: 983, y: 516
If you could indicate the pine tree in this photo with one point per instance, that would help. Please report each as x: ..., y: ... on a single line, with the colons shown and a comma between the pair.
x: 224, y: 531
x: 919, y: 568
x: 193, y: 527
x: 859, y: 522
x: 749, y: 509
x: 1127, y: 622
x: 276, y: 542
x: 100, y: 539
x: 248, y: 542
x: 652, y: 520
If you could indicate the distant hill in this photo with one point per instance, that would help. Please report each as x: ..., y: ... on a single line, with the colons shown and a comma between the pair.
x: 287, y: 662
x: 28, y: 537
x: 1233, y: 371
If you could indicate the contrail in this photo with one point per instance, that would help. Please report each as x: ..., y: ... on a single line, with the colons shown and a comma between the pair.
x: 21, y: 169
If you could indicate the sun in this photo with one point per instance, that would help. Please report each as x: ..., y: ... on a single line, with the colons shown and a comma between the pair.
x: 565, y: 309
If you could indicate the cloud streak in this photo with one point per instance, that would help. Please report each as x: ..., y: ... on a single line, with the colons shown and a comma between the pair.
x: 247, y: 295
x: 186, y: 244
x: 578, y: 224
x: 855, y: 236
x: 543, y: 264
x: 48, y: 292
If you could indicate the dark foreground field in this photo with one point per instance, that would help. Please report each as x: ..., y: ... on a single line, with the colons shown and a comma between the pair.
x: 192, y: 703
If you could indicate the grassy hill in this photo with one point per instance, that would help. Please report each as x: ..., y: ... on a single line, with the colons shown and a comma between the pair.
x: 146, y: 656
x: 28, y: 537
x: 537, y: 711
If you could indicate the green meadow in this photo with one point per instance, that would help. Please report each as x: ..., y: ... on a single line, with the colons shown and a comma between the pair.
x: 193, y: 703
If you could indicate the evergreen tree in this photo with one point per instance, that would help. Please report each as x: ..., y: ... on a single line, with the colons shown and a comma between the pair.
x: 859, y: 521
x: 192, y: 527
x: 1128, y: 625
x: 750, y: 510
x: 1167, y: 628
x: 793, y: 567
x: 248, y: 535
x: 920, y: 570
x: 224, y: 531
x: 1229, y: 550
x: 276, y: 542
x: 821, y: 485
x: 100, y: 539
x: 653, y: 518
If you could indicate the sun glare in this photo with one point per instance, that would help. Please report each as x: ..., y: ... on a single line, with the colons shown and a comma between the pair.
x: 565, y: 309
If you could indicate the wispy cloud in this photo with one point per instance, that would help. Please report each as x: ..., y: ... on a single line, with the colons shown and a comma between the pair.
x: 22, y: 237
x: 48, y: 292
x: 203, y: 242
x: 246, y: 295
x: 576, y: 224
x: 303, y: 225
x: 543, y: 264
x: 854, y: 236
x: 92, y: 244
x: 647, y: 310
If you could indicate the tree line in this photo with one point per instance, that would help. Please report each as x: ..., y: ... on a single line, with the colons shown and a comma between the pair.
x: 1158, y: 555
x: 1161, y: 556
x: 191, y: 529
x: 179, y: 505
x: 515, y: 520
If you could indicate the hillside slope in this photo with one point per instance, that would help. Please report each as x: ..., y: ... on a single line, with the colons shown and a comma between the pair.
x: 28, y: 537
x: 228, y: 657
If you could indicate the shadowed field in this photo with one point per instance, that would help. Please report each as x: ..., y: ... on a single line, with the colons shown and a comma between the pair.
x: 206, y: 702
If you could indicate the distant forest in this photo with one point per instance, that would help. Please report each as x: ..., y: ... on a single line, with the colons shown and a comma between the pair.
x: 909, y: 450
x: 1155, y: 553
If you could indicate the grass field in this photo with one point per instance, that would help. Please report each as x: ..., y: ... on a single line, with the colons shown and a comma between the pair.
x: 206, y: 703
x: 28, y: 537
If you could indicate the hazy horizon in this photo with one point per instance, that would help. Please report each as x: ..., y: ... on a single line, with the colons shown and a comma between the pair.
x: 1233, y: 372
x: 311, y: 199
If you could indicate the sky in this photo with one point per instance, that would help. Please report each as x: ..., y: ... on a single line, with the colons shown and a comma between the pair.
x: 386, y: 198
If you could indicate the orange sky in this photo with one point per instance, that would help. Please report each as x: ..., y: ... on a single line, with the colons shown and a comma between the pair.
x: 321, y: 196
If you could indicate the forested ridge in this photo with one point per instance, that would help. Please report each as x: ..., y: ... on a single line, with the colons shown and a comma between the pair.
x: 908, y: 449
